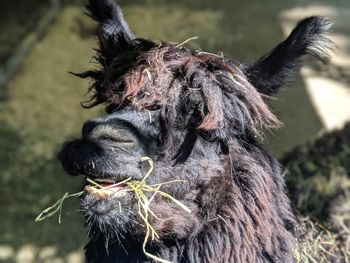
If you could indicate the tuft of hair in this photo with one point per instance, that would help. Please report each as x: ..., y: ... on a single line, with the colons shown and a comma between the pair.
x: 276, y: 68
x: 110, y: 17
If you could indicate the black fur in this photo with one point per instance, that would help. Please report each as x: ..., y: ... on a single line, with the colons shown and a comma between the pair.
x: 279, y: 66
x: 200, y: 118
x: 110, y: 18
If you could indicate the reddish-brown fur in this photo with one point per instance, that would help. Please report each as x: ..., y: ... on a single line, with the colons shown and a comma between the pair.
x: 208, y: 115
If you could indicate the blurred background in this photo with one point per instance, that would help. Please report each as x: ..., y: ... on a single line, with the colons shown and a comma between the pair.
x: 41, y: 40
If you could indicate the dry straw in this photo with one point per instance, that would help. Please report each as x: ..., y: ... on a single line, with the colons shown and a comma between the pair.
x: 140, y: 190
x: 317, y: 244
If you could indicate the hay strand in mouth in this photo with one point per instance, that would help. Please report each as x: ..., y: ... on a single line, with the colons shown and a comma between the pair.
x: 150, y: 161
x: 139, y: 188
x: 184, y: 207
x: 144, y: 210
x: 56, y: 208
x: 144, y: 203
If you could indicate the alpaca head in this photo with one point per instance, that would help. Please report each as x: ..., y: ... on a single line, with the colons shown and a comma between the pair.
x: 195, y: 114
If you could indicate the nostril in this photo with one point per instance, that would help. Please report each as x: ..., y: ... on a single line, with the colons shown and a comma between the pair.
x: 88, y: 127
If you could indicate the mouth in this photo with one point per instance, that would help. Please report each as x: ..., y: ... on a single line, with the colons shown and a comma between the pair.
x: 103, y: 188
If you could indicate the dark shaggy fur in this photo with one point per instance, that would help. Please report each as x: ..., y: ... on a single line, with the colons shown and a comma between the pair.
x: 200, y: 118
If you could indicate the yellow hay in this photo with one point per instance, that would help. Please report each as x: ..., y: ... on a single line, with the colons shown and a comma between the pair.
x: 138, y: 188
x: 186, y: 41
x: 56, y: 207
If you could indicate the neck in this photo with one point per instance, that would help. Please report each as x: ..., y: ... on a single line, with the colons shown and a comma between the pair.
x: 244, y: 216
x: 129, y: 251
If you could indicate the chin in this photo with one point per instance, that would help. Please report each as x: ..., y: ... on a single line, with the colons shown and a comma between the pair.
x: 110, y: 212
x: 109, y: 208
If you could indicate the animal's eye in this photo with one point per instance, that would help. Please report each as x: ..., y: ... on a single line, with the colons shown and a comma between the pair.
x: 111, y: 108
x: 153, y: 107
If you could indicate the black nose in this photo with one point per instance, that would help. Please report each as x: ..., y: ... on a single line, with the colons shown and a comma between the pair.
x: 75, y: 155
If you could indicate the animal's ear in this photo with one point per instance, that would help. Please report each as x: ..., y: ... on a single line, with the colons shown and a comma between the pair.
x: 113, y: 31
x: 278, y: 66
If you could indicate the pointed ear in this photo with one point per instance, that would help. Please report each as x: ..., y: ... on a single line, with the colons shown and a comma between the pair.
x: 113, y: 29
x: 278, y: 66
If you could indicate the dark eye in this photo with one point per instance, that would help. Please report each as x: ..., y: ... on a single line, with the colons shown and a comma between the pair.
x: 153, y: 107
x: 111, y: 108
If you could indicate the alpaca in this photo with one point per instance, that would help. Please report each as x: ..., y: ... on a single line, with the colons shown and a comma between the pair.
x: 200, y: 118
